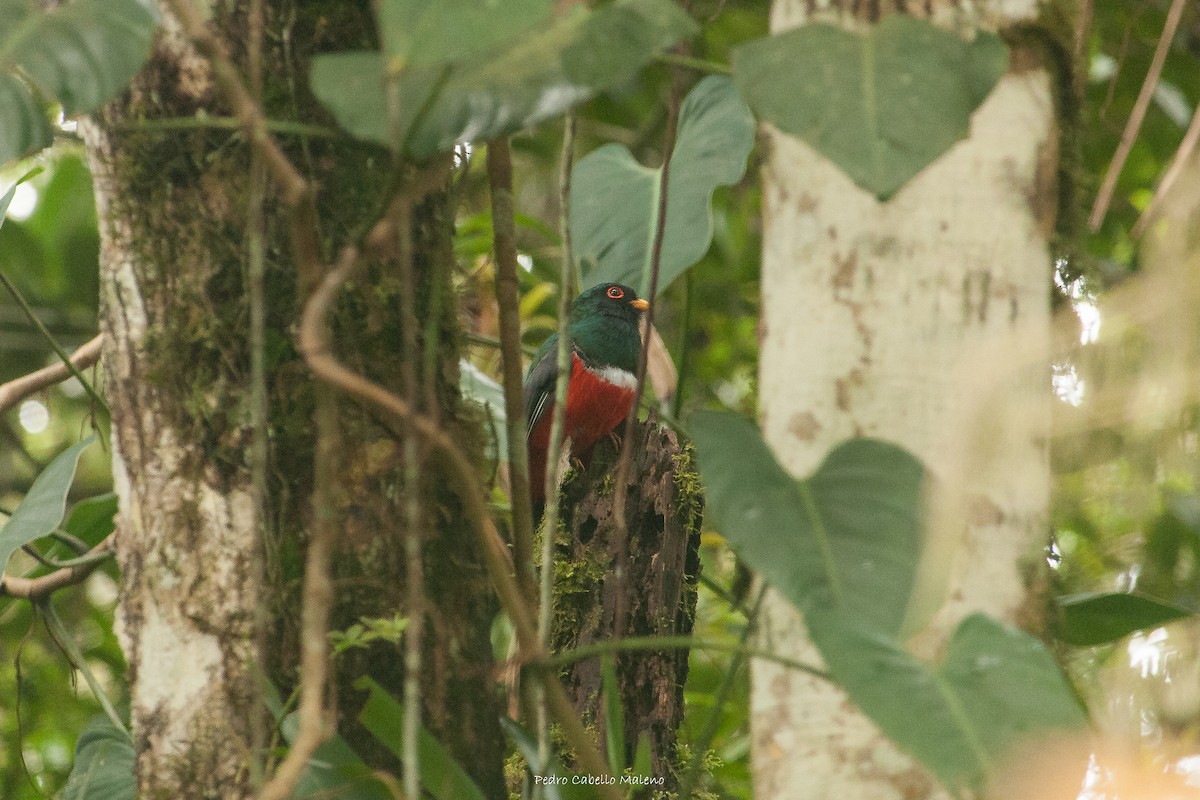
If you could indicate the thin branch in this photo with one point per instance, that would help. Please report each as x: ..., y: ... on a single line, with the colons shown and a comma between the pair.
x: 206, y: 122
x: 54, y: 345
x: 45, y: 585
x: 1137, y: 116
x: 558, y: 416
x: 259, y: 450
x: 624, y: 463
x: 414, y: 576
x: 313, y: 338
x: 16, y: 390
x: 697, y: 64
x: 504, y: 235
x: 1182, y: 154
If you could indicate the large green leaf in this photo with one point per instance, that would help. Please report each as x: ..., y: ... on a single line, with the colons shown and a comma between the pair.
x: 334, y: 770
x: 23, y: 124
x: 103, y: 768
x: 1095, y: 618
x: 995, y: 688
x: 441, y: 775
x: 80, y: 54
x: 847, y: 537
x: 421, y: 33
x: 881, y: 106
x: 450, y: 93
x: 615, y: 200
x: 43, y: 507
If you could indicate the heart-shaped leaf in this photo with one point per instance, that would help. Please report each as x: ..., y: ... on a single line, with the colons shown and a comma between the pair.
x: 43, y: 507
x: 848, y: 537
x: 994, y: 688
x: 103, y: 768
x: 451, y: 92
x: 881, y: 106
x: 81, y: 54
x: 614, y: 199
x: 1099, y: 617
x: 421, y: 33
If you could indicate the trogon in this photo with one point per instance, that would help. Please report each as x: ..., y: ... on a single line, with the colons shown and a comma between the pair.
x: 603, y: 327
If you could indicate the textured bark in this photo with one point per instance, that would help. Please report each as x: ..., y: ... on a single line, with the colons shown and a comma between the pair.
x: 870, y: 312
x: 198, y: 575
x: 664, y: 511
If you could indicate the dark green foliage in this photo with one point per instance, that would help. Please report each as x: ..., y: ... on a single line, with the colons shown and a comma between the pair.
x: 80, y: 55
x: 615, y: 200
x: 103, y: 767
x: 883, y: 105
x: 1093, y: 618
x: 848, y: 537
x: 526, y: 70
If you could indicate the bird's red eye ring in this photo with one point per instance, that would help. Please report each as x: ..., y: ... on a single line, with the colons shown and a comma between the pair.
x: 616, y: 292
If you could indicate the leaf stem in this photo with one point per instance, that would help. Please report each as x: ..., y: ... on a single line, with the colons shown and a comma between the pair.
x: 634, y: 643
x: 206, y: 122
x: 63, y: 639
x: 691, y: 62
x: 557, y: 419
x: 49, y: 337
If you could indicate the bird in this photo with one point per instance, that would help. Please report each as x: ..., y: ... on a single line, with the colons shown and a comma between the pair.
x: 603, y: 327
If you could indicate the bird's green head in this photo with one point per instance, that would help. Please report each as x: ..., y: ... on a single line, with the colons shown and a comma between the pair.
x: 604, y: 325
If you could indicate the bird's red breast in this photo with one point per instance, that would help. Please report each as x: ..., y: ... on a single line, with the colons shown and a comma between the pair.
x: 597, y: 402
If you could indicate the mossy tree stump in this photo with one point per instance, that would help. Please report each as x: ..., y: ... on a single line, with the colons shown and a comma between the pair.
x: 656, y: 596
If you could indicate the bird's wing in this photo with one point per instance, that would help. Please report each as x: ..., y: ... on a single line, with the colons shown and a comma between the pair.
x: 539, y: 382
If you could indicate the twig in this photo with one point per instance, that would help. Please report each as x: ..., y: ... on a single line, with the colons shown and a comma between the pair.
x: 314, y: 346
x: 504, y: 235
x: 414, y: 577
x: 67, y: 575
x: 16, y: 390
x: 624, y: 463
x: 1136, y: 117
x: 1184, y: 152
x: 206, y: 122
x: 558, y: 416
x: 697, y: 64
x: 258, y: 452
x: 65, y: 360
x: 636, y: 643
x: 316, y: 600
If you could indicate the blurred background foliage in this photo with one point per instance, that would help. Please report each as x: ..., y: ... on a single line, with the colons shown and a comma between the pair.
x: 1126, y: 511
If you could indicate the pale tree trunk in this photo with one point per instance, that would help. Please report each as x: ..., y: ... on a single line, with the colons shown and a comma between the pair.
x: 869, y: 312
x: 209, y: 595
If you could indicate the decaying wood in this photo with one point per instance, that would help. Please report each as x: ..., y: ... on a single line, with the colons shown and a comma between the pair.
x: 664, y: 509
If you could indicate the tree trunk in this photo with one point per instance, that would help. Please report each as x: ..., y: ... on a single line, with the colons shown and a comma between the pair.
x: 870, y: 311
x: 656, y: 598
x: 207, y: 595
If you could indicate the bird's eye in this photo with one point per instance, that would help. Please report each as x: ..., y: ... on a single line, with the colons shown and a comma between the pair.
x: 616, y: 292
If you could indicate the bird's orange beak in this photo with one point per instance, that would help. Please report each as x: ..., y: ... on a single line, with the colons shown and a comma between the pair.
x: 640, y: 304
